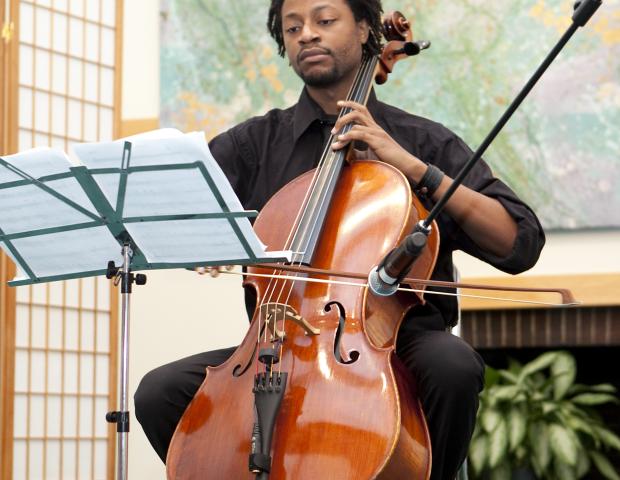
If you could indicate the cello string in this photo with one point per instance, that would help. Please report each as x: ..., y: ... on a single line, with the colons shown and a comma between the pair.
x: 330, y: 156
x: 359, y: 89
x: 318, y: 184
x: 294, y: 232
x: 359, y: 92
x: 327, y: 160
x: 310, y: 192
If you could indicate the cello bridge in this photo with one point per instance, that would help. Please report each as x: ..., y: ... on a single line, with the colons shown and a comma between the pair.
x: 273, y: 312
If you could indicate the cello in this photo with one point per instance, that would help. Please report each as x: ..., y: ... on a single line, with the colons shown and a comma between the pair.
x: 315, y: 389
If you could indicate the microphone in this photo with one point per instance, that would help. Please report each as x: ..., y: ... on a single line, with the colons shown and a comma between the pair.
x: 384, y: 279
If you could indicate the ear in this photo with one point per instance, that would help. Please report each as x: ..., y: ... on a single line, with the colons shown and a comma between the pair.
x: 364, y: 31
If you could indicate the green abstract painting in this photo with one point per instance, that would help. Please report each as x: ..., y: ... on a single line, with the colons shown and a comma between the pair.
x: 560, y: 151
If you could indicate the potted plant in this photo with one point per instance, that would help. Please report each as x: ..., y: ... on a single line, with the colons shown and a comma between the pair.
x: 535, y: 422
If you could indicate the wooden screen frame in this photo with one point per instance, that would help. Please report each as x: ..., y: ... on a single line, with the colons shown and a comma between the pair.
x: 9, y: 20
x: 7, y: 365
x: 8, y: 135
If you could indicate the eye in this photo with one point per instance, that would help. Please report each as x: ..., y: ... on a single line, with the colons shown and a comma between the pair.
x: 293, y: 29
x: 326, y: 21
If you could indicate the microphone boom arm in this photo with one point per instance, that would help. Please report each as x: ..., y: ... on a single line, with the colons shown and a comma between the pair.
x: 384, y: 279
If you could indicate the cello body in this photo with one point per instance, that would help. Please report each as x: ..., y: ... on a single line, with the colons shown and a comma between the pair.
x: 349, y: 410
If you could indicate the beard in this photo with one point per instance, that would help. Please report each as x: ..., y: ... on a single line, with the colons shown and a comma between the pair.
x: 320, y: 77
x: 339, y: 67
x: 325, y: 78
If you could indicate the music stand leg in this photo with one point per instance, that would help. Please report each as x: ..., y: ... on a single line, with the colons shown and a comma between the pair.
x: 121, y: 417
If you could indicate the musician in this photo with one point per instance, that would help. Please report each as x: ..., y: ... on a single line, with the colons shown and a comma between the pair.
x: 324, y: 41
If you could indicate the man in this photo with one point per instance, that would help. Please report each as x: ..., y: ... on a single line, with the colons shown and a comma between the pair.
x: 324, y: 41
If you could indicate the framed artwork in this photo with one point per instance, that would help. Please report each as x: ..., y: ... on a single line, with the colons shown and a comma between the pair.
x: 561, y: 150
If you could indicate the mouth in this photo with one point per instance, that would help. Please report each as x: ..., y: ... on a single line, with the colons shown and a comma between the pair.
x: 312, y: 54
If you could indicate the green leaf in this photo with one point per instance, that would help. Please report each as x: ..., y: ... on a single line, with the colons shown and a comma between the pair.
x: 517, y: 426
x: 478, y: 453
x: 564, y: 471
x: 514, y: 366
x: 548, y: 407
x: 498, y: 444
x: 520, y: 453
x: 604, y: 466
x: 490, y: 419
x: 543, y: 361
x: 563, y: 444
x: 577, y: 424
x: 509, y: 376
x: 502, y: 472
x: 608, y: 437
x: 601, y: 387
x: 563, y: 371
x: 583, y: 463
x: 594, y: 398
x: 539, y: 438
x: 491, y: 377
x: 508, y: 392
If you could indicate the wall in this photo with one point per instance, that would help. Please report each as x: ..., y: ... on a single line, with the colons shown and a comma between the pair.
x: 564, y: 253
x: 179, y: 313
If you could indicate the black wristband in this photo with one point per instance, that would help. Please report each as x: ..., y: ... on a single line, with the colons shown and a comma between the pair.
x: 430, y: 181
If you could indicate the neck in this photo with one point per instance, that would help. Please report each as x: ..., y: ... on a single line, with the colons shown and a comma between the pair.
x: 328, y: 97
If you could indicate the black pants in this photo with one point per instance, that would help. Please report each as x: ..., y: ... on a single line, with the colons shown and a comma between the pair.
x: 449, y: 376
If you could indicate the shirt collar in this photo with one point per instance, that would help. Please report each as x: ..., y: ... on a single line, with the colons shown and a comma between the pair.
x: 307, y: 111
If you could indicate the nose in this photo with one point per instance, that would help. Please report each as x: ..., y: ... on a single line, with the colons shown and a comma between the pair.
x: 308, y: 34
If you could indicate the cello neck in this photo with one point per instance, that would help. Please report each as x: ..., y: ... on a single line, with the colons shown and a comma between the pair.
x: 314, y: 209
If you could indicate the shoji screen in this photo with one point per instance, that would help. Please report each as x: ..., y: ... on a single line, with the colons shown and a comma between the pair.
x: 63, y: 381
x: 66, y: 90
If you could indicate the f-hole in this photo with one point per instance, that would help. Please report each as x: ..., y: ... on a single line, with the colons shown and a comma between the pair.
x: 353, y: 355
x: 241, y: 369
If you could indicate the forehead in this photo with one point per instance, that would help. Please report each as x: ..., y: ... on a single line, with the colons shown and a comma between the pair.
x: 301, y: 8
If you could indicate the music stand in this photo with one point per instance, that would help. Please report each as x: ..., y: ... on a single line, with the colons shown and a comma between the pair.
x: 76, y: 217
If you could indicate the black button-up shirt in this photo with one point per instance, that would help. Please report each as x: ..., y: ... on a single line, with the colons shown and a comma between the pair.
x: 262, y: 154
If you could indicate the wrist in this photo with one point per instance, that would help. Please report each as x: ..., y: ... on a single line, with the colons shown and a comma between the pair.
x: 415, y: 170
x: 429, y: 182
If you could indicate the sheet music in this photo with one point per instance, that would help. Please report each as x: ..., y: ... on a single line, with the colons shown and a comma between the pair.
x: 173, y: 192
x: 88, y: 245
x: 28, y: 207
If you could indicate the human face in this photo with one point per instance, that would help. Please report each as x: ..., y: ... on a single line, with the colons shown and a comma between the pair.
x: 322, y: 40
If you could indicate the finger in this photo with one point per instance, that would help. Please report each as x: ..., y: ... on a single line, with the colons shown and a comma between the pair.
x: 229, y: 267
x: 352, y: 105
x: 354, y: 117
x: 200, y: 270
x: 341, y: 142
x: 214, y: 272
x: 357, y: 133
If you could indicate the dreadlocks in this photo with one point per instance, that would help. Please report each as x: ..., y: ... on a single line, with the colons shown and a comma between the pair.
x: 369, y: 10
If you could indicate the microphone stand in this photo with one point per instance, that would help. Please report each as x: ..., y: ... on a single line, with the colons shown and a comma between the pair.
x: 385, y: 278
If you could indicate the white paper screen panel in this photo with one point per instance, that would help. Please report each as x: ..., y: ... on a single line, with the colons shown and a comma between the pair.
x: 66, y: 78
x: 62, y: 380
x: 63, y: 354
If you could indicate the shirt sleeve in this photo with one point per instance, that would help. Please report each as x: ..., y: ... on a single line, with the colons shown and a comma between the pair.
x: 450, y: 156
x: 230, y: 152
